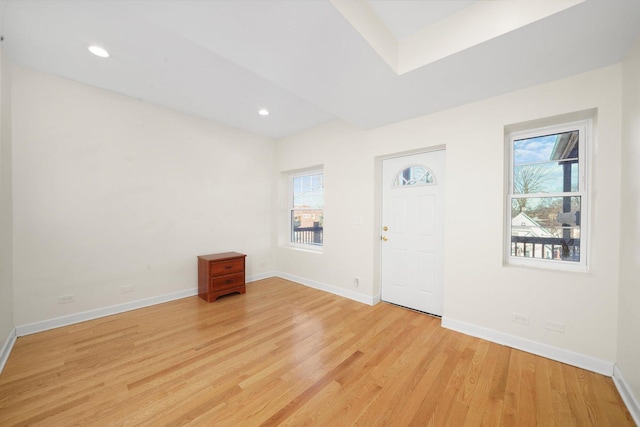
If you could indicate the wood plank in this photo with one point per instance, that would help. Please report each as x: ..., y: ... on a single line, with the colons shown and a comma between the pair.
x: 544, y: 397
x: 286, y: 354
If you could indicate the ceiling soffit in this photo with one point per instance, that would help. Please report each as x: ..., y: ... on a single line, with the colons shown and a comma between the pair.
x: 465, y: 28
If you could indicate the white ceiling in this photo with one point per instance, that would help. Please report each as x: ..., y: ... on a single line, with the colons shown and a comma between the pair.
x: 303, y: 60
x: 405, y: 17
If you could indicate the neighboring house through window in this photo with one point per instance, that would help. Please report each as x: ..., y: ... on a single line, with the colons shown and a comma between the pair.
x: 307, y: 209
x: 548, y: 196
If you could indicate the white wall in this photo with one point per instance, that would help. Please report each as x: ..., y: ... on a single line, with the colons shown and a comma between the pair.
x: 347, y: 251
x: 6, y: 241
x: 111, y: 192
x: 629, y: 324
x: 479, y: 289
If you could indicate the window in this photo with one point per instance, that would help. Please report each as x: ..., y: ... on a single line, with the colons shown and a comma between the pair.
x: 307, y: 209
x: 414, y: 175
x: 548, y: 197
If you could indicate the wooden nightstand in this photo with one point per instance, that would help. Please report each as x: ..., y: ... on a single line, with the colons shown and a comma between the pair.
x: 220, y: 274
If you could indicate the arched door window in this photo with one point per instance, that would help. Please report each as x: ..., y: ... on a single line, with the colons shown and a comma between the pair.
x: 414, y: 175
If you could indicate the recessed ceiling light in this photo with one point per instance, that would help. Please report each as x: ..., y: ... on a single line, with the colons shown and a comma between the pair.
x: 99, y: 51
x: 263, y: 112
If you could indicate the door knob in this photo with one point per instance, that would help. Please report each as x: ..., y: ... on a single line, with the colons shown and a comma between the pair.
x: 384, y: 238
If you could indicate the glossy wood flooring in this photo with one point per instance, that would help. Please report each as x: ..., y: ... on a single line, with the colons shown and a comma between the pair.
x: 285, y: 354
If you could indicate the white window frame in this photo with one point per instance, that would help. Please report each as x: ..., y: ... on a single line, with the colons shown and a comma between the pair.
x: 305, y: 246
x: 585, y: 143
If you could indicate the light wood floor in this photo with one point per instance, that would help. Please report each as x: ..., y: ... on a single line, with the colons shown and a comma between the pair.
x: 285, y: 354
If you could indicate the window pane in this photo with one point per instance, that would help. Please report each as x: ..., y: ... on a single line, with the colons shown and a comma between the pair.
x: 414, y: 175
x: 546, y: 227
x: 308, y: 191
x: 556, y: 177
x: 307, y: 226
x: 556, y: 147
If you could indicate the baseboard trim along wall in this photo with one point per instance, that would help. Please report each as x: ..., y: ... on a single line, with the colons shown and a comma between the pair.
x: 260, y: 276
x: 550, y: 352
x: 5, y: 351
x: 627, y: 394
x: 71, y: 319
x: 365, y: 299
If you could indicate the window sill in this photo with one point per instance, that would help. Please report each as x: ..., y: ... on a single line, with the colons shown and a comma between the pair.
x: 569, y: 267
x: 304, y: 248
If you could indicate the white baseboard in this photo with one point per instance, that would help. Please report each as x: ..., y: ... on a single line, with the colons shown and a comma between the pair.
x: 550, y: 352
x: 71, y: 319
x: 365, y: 299
x: 256, y: 277
x: 627, y: 394
x: 5, y: 351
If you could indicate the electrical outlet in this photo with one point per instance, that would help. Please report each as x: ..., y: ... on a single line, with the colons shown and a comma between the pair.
x: 126, y: 289
x: 520, y: 318
x: 554, y: 326
x: 66, y: 299
x: 356, y: 282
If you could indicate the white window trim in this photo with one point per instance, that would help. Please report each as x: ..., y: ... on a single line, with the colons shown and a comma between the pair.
x: 584, y: 166
x: 294, y: 245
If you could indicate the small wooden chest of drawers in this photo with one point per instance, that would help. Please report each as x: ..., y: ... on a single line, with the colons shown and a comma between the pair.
x: 220, y: 274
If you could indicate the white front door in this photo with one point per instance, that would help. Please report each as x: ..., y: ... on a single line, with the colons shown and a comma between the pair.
x: 413, y: 231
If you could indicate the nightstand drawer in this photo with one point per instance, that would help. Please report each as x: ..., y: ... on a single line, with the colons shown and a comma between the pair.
x: 226, y: 282
x: 219, y: 268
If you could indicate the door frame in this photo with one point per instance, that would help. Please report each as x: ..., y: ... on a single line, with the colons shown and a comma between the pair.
x: 377, y: 214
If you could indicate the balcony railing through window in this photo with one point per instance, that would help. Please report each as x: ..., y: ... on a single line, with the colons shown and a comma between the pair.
x: 308, y: 235
x: 546, y: 248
